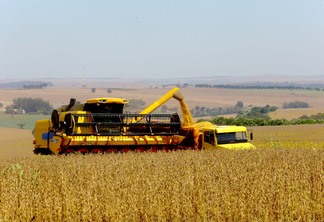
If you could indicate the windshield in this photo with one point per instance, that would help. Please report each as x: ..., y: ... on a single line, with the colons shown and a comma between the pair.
x: 233, y: 137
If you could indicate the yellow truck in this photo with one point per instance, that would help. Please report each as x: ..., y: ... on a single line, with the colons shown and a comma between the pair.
x: 100, y: 125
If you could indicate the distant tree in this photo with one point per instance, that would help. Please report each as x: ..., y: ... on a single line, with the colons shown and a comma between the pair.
x: 30, y: 105
x: 239, y: 105
x: 164, y: 108
x: 93, y: 90
x: 10, y: 110
x: 258, y: 112
x: 198, y: 111
x: 1, y: 105
x: 295, y: 104
x: 135, y: 104
x: 109, y: 91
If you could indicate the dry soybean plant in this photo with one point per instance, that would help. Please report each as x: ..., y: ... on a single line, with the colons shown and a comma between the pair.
x: 259, y: 185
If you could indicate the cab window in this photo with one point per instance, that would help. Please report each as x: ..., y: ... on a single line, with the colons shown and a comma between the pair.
x: 233, y: 137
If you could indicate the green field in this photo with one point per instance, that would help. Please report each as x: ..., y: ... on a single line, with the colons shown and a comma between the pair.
x: 13, y: 121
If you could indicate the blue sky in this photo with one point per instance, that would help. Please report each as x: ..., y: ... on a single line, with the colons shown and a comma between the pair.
x: 160, y: 39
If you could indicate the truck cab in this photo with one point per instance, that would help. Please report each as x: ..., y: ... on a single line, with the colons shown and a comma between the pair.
x: 225, y: 137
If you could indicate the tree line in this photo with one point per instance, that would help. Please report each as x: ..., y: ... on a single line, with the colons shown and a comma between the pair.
x: 286, y: 87
x: 243, y: 121
x: 250, y: 116
x: 29, y: 105
x: 248, y: 112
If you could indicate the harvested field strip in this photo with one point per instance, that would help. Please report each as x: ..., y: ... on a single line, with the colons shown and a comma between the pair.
x: 259, y: 185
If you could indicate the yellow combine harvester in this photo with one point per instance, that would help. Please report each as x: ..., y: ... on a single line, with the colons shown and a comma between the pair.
x: 100, y: 125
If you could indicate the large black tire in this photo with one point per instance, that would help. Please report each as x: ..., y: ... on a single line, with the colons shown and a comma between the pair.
x: 43, y: 151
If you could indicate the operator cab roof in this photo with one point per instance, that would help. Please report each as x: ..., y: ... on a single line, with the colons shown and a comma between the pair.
x: 107, y: 100
x: 229, y: 128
